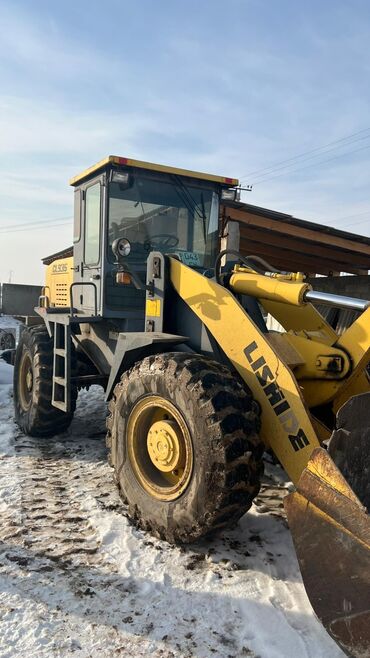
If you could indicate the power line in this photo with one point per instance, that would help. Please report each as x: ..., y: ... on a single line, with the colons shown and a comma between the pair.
x: 25, y: 226
x: 334, y: 221
x: 292, y: 166
x: 31, y: 222
x: 338, y: 220
x: 36, y: 228
x: 359, y: 214
x: 361, y: 221
x: 301, y: 155
x: 314, y: 164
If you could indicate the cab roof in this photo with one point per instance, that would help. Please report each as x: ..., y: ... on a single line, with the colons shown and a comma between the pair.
x: 117, y: 160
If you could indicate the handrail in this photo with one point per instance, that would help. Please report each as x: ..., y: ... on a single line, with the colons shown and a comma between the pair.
x: 45, y: 297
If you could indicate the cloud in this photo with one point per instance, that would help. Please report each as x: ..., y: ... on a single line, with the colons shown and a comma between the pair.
x: 35, y: 44
x: 32, y: 126
x: 276, y: 84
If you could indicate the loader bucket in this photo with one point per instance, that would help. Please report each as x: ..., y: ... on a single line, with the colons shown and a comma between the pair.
x: 331, y: 534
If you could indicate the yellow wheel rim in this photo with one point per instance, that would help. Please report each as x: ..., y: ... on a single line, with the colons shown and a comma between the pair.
x: 159, y: 447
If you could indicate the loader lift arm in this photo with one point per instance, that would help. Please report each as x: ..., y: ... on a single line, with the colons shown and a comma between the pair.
x: 329, y: 524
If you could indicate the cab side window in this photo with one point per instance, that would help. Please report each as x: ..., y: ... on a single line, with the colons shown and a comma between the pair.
x: 77, y: 216
x: 92, y: 224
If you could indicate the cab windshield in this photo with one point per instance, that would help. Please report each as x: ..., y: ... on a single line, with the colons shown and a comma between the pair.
x: 165, y: 214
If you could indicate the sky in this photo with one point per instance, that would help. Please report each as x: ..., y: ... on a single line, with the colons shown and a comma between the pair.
x: 275, y: 93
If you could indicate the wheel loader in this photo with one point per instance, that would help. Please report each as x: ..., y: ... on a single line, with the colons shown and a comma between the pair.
x: 146, y: 305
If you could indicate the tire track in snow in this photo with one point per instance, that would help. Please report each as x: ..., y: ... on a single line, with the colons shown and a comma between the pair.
x: 54, y: 477
x: 78, y: 579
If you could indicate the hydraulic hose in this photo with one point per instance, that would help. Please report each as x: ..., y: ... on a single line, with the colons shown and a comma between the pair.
x: 249, y: 261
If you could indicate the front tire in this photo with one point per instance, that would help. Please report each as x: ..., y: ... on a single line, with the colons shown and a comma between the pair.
x: 33, y: 369
x: 183, y: 440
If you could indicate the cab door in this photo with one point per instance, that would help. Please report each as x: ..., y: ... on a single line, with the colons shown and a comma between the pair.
x: 88, y: 249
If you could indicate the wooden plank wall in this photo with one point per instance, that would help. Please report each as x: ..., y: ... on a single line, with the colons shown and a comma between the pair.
x: 290, y: 246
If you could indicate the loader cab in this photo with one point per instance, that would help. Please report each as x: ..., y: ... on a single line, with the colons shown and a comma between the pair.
x: 153, y: 207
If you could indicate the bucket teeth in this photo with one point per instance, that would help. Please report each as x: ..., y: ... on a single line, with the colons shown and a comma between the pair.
x: 331, y: 534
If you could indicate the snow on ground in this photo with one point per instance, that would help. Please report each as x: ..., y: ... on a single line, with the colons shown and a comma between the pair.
x: 76, y: 579
x: 8, y: 322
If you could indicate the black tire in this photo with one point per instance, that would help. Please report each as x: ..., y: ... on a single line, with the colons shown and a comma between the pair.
x: 34, y: 412
x: 7, y: 340
x: 223, y: 421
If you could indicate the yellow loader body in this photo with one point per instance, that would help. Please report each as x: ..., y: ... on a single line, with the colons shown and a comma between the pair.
x: 58, y: 281
x: 292, y: 375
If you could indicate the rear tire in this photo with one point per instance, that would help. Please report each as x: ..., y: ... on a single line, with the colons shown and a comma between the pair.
x: 222, y: 465
x: 33, y: 371
x: 7, y: 340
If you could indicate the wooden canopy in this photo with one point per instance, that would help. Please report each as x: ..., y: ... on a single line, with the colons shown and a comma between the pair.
x: 297, y: 245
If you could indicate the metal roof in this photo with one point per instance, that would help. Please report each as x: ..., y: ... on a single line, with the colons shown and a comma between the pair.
x: 118, y: 160
x: 63, y: 253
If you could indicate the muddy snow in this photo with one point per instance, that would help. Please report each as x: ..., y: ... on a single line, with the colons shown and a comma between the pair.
x: 76, y: 579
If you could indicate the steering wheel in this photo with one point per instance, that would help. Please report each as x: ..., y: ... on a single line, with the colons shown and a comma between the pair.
x: 162, y: 240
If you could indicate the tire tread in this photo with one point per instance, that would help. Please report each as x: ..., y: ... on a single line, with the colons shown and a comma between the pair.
x: 231, y: 413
